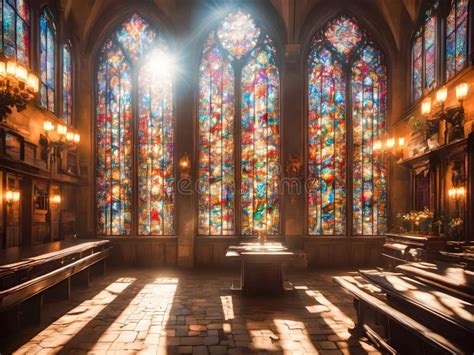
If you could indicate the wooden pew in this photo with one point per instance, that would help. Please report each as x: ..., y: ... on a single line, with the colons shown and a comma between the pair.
x: 452, y: 278
x: 23, y: 283
x: 451, y: 315
x: 391, y: 329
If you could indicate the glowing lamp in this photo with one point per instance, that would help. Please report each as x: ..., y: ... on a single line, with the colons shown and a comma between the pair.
x: 48, y: 126
x: 56, y: 199
x: 442, y: 94
x: 70, y: 136
x: 426, y: 106
x: 390, y: 143
x: 2, y: 69
x: 77, y: 137
x: 11, y: 68
x: 21, y: 73
x: 401, y: 141
x: 12, y: 196
x: 185, y: 165
x: 33, y: 82
x: 461, y: 91
x: 62, y: 130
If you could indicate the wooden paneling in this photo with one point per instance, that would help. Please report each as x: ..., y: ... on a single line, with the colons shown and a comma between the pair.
x: 146, y: 251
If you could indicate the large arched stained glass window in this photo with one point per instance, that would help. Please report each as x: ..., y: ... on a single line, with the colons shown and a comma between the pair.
x: 47, y: 60
x: 343, y: 171
x: 135, y: 67
x: 239, y: 120
x: 456, y: 37
x: 424, y: 58
x: 15, y: 30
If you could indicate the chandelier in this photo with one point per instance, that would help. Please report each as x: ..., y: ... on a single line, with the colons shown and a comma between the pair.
x: 17, y: 87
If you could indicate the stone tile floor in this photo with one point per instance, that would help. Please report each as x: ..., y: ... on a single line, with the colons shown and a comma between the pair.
x: 170, y: 312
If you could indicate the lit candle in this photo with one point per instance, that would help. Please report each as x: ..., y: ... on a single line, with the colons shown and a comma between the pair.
x: 21, y: 73
x: 70, y: 136
x: 390, y: 143
x: 11, y: 68
x: 461, y: 91
x: 426, y: 106
x: 77, y: 138
x: 48, y: 126
x: 33, y: 82
x: 442, y: 94
x: 62, y: 130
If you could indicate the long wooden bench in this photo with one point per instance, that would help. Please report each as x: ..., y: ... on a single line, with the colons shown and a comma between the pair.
x: 430, y: 303
x: 400, y: 333
x: 24, y: 282
x: 452, y: 278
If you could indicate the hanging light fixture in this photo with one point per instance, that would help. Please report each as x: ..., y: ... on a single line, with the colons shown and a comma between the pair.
x: 17, y: 87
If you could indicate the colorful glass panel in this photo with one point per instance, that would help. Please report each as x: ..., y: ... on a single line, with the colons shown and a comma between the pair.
x: 238, y: 34
x: 47, y: 60
x: 430, y: 54
x: 134, y: 43
x: 326, y: 144
x: 417, y: 66
x: 260, y: 143
x: 136, y: 36
x: 343, y: 34
x: 237, y: 49
x: 369, y: 102
x: 114, y: 143
x: 216, y: 142
x: 15, y: 30
x: 456, y: 37
x: 67, y: 84
x: 328, y: 171
x: 155, y: 148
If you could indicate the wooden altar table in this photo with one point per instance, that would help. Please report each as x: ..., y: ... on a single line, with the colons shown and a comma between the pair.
x: 262, y: 267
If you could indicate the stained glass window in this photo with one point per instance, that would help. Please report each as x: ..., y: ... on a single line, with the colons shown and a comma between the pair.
x: 47, y: 60
x: 135, y: 49
x: 239, y: 48
x: 424, y: 58
x: 67, y: 84
x: 456, y: 37
x: 344, y: 63
x: 15, y: 30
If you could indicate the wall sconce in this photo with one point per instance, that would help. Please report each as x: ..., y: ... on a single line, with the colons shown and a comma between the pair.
x: 57, y: 139
x: 185, y: 166
x: 426, y: 107
x: 17, y: 87
x: 12, y: 196
x: 461, y: 92
x: 393, y: 145
x: 456, y: 192
x: 441, y: 95
x: 55, y: 199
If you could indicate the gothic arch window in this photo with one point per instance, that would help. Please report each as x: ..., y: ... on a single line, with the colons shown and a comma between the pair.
x: 15, y: 30
x: 347, y: 95
x: 67, y: 83
x: 456, y: 37
x: 135, y: 133
x: 47, y: 60
x: 239, y: 136
x: 424, y: 55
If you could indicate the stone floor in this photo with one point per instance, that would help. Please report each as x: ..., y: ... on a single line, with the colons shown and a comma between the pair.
x: 169, y: 312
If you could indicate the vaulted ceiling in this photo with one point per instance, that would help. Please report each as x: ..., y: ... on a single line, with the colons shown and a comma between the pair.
x: 83, y: 15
